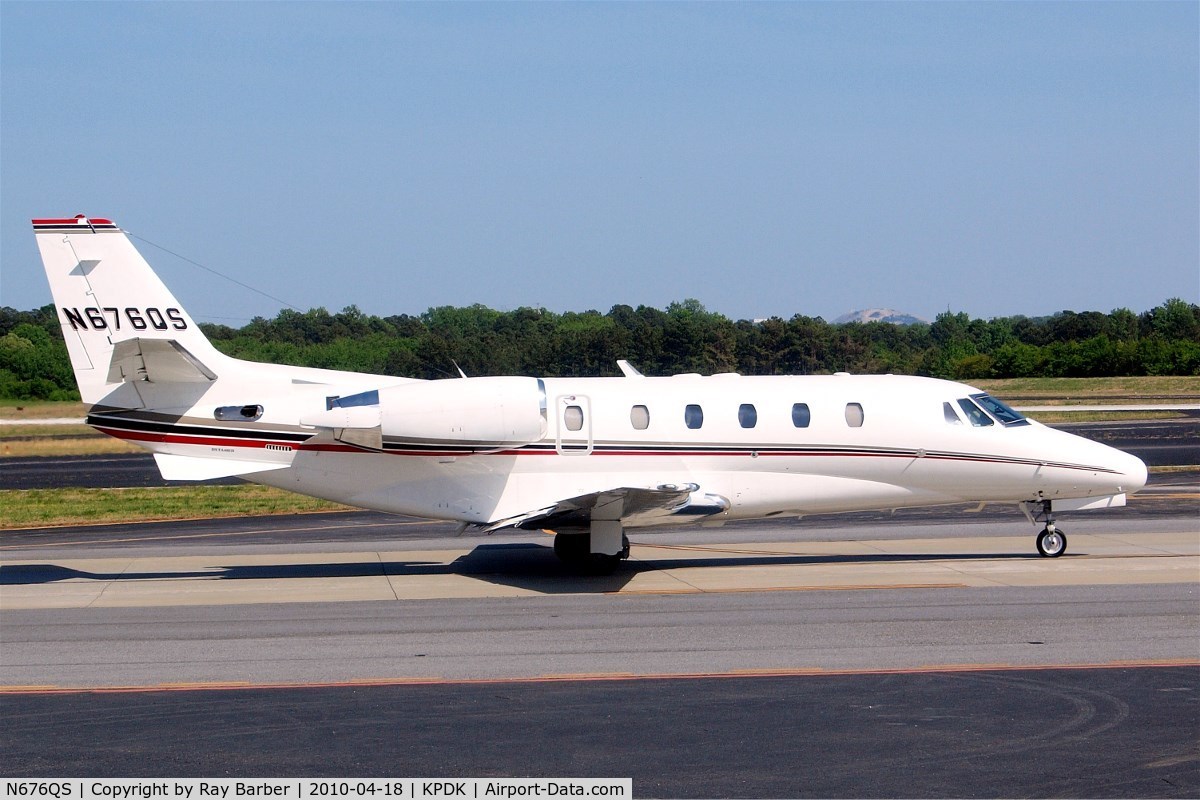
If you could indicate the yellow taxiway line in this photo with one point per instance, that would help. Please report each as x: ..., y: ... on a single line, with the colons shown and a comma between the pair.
x: 799, y: 672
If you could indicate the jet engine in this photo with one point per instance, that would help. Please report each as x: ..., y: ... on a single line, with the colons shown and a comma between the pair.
x: 483, y: 413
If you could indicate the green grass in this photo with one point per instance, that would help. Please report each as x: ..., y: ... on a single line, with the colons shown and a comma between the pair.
x: 1095, y: 389
x: 41, y: 409
x: 1056, y: 417
x: 35, y: 508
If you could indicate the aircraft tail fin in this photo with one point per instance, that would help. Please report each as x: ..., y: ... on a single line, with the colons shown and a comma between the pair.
x: 121, y: 323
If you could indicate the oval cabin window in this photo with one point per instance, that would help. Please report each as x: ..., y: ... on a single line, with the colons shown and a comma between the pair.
x: 854, y: 415
x: 801, y: 415
x: 747, y: 415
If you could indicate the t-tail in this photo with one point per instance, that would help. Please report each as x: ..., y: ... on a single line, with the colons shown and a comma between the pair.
x: 127, y: 335
x: 149, y: 375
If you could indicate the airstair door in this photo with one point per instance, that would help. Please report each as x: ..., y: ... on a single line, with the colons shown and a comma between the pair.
x: 574, y: 436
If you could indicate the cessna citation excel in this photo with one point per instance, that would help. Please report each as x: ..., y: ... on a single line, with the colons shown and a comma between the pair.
x: 586, y: 458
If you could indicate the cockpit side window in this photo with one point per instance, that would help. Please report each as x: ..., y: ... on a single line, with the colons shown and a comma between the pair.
x: 951, y: 417
x: 999, y: 410
x: 974, y: 413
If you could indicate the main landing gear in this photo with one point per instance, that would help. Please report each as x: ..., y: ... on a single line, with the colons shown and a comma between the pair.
x: 577, y: 551
x: 1051, y: 542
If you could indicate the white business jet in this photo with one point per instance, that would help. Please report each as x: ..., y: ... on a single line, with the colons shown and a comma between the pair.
x: 587, y: 458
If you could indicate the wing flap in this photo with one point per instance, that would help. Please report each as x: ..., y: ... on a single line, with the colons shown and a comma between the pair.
x: 634, y: 506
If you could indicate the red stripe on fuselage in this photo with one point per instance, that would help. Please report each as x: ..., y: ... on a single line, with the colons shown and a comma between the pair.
x: 218, y: 441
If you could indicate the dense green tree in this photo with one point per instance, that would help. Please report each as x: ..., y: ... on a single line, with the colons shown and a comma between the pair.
x: 685, y: 337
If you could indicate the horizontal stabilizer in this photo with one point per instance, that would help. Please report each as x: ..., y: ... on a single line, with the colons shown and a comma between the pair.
x: 157, y: 361
x: 191, y: 468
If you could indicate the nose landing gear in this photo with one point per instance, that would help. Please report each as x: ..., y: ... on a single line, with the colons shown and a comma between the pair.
x: 1051, y: 542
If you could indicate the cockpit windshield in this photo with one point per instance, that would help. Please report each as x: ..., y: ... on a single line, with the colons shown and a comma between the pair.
x: 975, y: 414
x: 1007, y: 416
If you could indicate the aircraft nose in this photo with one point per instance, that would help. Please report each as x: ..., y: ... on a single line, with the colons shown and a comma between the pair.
x: 1119, y: 472
x: 1133, y: 470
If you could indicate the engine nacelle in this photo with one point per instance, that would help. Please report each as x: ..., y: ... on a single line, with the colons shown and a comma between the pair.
x: 482, y: 412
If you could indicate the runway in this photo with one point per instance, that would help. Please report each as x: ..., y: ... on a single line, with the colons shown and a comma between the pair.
x: 928, y: 653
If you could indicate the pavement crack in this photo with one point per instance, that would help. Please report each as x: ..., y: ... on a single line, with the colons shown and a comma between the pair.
x: 386, y: 576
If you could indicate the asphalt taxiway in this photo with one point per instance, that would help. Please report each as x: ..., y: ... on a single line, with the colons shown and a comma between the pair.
x: 858, y: 659
x: 922, y: 653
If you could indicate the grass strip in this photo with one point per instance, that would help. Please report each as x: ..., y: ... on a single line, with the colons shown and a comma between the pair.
x: 45, y: 446
x: 36, y: 508
x: 1092, y: 389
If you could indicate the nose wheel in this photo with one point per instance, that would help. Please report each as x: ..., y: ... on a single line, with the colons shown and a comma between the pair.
x: 1051, y: 542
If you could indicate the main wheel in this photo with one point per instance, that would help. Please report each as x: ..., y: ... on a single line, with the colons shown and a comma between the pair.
x: 572, y: 549
x: 601, y: 564
x: 1052, y: 543
x: 575, y: 550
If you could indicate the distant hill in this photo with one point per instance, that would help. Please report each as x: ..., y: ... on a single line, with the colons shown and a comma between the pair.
x: 881, y: 315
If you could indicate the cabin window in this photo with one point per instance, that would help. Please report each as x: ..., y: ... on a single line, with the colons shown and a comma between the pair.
x: 951, y: 417
x: 854, y: 415
x: 639, y: 417
x: 573, y: 418
x: 238, y: 413
x: 999, y: 410
x: 975, y: 414
x: 693, y: 416
x: 800, y: 415
x: 747, y: 415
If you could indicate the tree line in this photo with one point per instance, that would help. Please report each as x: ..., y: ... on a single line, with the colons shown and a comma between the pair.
x: 685, y: 337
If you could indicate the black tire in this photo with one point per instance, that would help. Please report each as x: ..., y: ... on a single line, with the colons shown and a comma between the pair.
x: 575, y: 550
x: 1052, y: 543
x: 601, y: 564
x: 572, y: 549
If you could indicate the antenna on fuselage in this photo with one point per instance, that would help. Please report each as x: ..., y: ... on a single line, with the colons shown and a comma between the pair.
x: 629, y: 370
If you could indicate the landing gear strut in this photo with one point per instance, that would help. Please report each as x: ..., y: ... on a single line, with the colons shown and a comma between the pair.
x: 1051, y: 542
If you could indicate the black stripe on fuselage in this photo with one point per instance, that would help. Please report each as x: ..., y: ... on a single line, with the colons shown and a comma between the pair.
x: 184, y: 429
x: 115, y: 424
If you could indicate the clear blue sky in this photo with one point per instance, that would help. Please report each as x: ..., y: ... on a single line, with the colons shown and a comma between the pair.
x: 765, y: 159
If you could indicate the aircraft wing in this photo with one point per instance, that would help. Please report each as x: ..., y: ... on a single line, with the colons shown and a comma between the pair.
x: 634, y: 506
